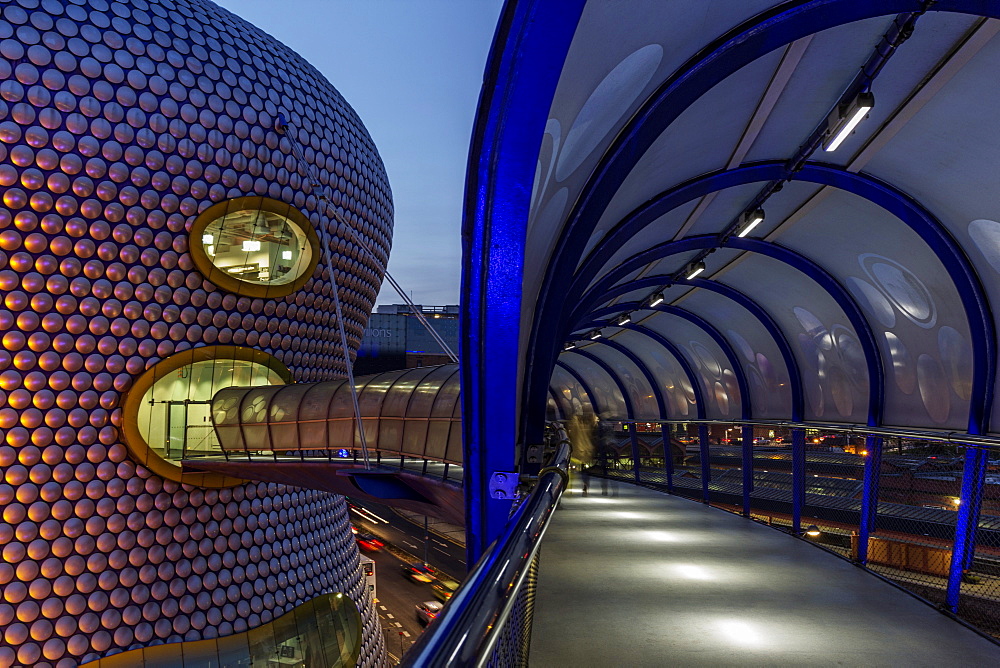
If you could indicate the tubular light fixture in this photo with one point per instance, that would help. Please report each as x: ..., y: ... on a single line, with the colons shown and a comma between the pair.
x: 751, y: 219
x: 569, y: 345
x: 843, y: 121
x: 623, y: 319
x: 694, y: 269
x: 595, y: 334
x: 655, y: 300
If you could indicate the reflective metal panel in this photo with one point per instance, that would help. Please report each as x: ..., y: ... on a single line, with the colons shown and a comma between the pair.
x: 324, y: 631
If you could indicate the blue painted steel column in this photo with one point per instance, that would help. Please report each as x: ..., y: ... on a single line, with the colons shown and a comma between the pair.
x: 973, y: 478
x: 522, y: 73
x: 869, y: 495
x: 668, y: 455
x: 633, y: 432
x: 747, y: 467
x: 798, y: 477
x: 706, y: 470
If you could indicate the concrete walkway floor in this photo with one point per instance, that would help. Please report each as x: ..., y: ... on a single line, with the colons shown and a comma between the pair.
x: 648, y: 579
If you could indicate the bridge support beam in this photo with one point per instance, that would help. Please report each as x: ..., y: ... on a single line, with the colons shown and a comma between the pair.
x: 798, y: 477
x: 634, y: 439
x: 869, y: 495
x: 970, y: 502
x: 667, y: 432
x: 747, y: 433
x: 706, y: 469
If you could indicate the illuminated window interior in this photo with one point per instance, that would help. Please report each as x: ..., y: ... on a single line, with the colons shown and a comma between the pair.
x: 175, y: 412
x: 260, y: 247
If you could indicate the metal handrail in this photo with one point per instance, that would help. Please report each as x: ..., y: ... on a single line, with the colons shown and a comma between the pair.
x: 467, y: 629
x: 938, y: 435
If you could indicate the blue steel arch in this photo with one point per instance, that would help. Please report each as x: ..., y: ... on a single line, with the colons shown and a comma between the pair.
x: 492, y: 290
x: 746, y: 410
x: 743, y: 44
x: 866, y: 337
x: 629, y: 408
x: 784, y: 348
x: 670, y: 347
x: 523, y: 68
x: 661, y: 405
x: 740, y: 46
x: 560, y: 411
x: 755, y: 309
x: 586, y: 388
x: 665, y: 431
x: 928, y: 228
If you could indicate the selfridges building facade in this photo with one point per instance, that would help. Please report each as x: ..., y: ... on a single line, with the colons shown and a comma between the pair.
x: 176, y: 187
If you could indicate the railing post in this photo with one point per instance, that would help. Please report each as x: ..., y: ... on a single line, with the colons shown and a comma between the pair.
x: 747, y: 460
x: 706, y: 470
x: 634, y: 438
x: 604, y: 452
x: 869, y: 495
x: 970, y: 501
x: 798, y: 477
x: 668, y: 455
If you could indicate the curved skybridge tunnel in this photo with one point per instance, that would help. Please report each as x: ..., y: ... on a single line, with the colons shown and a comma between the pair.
x: 306, y: 435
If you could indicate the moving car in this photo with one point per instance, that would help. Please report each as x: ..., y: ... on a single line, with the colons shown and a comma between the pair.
x: 418, y: 572
x: 444, y: 588
x: 369, y: 543
x: 428, y: 610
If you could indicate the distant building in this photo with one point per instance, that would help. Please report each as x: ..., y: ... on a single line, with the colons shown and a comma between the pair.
x: 396, y: 339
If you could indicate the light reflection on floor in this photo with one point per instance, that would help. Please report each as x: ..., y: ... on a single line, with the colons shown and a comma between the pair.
x: 692, y: 572
x: 665, y: 581
x: 740, y: 633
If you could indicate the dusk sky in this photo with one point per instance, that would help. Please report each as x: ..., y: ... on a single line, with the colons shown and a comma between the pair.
x: 412, y: 69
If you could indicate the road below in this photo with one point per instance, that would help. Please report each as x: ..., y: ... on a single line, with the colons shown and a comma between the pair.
x: 443, y: 553
x: 397, y: 596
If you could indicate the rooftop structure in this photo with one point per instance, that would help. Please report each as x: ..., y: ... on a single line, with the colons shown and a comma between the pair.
x: 395, y: 338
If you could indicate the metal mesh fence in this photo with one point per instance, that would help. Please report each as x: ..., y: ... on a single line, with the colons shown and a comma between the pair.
x: 912, y: 538
x: 979, y: 601
x: 833, y: 488
x: 512, y: 646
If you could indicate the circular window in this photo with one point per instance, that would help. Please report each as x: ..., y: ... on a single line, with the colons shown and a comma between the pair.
x: 167, y: 413
x: 254, y: 246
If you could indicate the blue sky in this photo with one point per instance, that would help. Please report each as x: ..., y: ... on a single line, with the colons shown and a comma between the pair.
x: 412, y: 70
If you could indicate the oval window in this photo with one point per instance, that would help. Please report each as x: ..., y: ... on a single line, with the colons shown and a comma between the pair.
x: 254, y: 246
x: 167, y: 411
